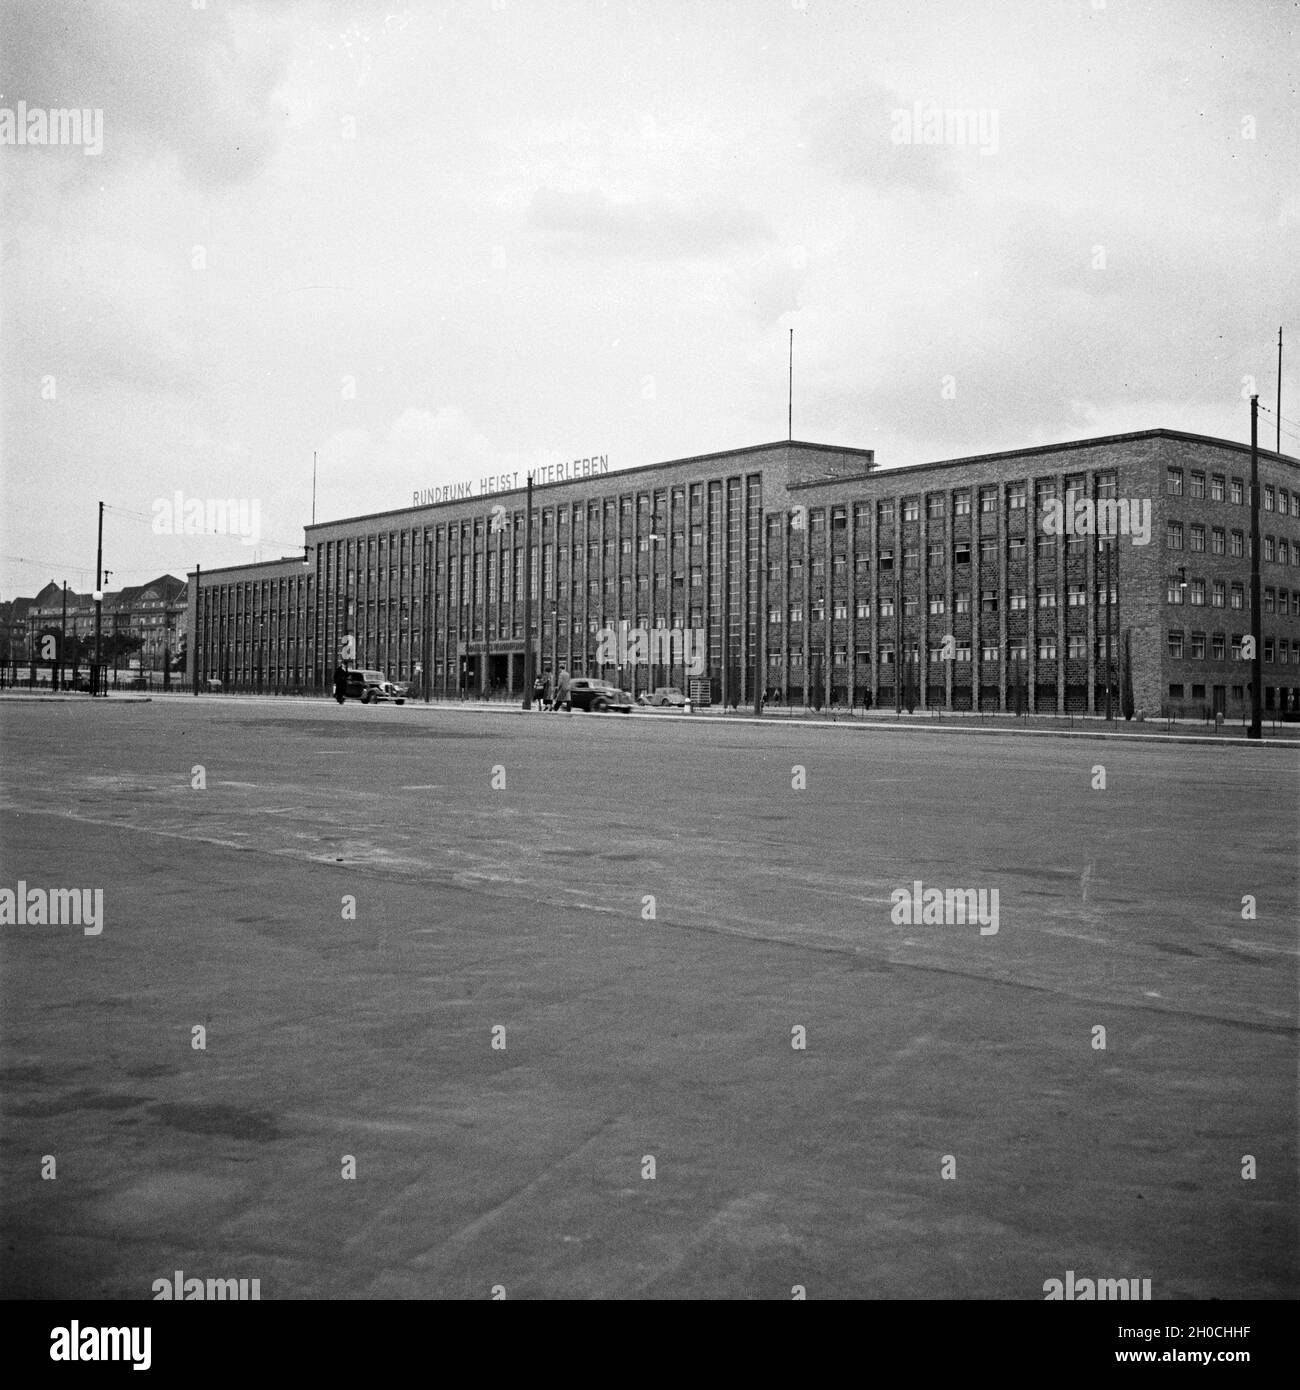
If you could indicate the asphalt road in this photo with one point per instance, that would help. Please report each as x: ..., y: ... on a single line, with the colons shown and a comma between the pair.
x: 637, y: 1029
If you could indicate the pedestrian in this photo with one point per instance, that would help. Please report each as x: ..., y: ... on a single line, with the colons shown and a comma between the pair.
x: 562, y: 690
x: 340, y: 682
x: 539, y: 691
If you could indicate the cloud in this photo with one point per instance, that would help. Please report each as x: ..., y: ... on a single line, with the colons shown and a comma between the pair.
x: 592, y: 222
x: 850, y: 133
x: 195, y: 84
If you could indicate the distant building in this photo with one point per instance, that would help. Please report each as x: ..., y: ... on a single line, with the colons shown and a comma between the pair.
x: 153, y: 612
x: 970, y: 583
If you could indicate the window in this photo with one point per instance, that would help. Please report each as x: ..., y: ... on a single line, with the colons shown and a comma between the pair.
x: 911, y: 508
x: 819, y: 610
x: 989, y: 651
x: 961, y: 601
x: 1268, y: 650
x: 1283, y: 555
x: 1269, y: 600
x: 1078, y: 647
x: 1174, y: 482
x: 988, y: 600
x: 1268, y: 549
x: 886, y: 607
x: 1268, y: 497
x: 1174, y: 535
x: 1018, y: 600
x: 884, y: 515
x: 1216, y: 646
x: 697, y: 577
x: 1076, y: 598
x: 936, y: 607
x: 910, y: 607
x: 1236, y: 647
x: 1295, y: 504
x: 911, y: 557
x: 1174, y: 590
x: 988, y: 500
x: 1046, y: 548
x: 1175, y: 690
x: 840, y: 656
x: 1016, y: 548
x: 1237, y: 491
x: 1197, y: 485
x: 1217, y: 481
x: 1176, y: 646
x: 1218, y: 594
x: 817, y: 522
x: 988, y: 550
x: 1197, y: 537
x: 885, y: 653
x: 697, y: 535
x: 961, y: 502
x: 1046, y: 490
x: 839, y: 519
x: 1198, y: 646
x: 796, y: 613
x: 1238, y: 544
x: 963, y: 651
x: 1047, y: 649
x: 1238, y: 596
x: 934, y: 555
x: 934, y: 506
x: 1198, y: 593
x: 1017, y: 650
x: 885, y: 557
x: 861, y: 516
x: 1218, y: 539
x: 862, y: 567
x: 864, y: 610
x: 961, y: 552
x: 1046, y: 596
x: 1016, y: 497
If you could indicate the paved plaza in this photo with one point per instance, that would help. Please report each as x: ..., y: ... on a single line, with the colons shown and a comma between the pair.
x: 609, y: 1007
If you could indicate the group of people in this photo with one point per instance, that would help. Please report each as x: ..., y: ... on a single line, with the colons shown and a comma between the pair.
x: 542, y: 692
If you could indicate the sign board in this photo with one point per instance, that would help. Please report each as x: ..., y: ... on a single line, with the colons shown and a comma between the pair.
x: 348, y: 651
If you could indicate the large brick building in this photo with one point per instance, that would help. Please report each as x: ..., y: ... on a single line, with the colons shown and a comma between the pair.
x: 809, y: 571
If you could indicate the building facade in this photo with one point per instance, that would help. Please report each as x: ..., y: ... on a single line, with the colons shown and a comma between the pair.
x: 804, y: 571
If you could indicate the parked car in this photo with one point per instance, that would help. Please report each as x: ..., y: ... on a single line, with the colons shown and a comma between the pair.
x: 596, y: 696
x: 667, y: 695
x: 371, y: 687
x: 137, y: 683
x: 213, y: 684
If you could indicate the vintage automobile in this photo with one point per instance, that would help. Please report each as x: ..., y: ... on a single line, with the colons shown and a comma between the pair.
x: 371, y: 687
x: 666, y: 695
x: 597, y: 696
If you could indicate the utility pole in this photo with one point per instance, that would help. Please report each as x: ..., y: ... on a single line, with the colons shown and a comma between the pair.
x: 1109, y: 681
x: 198, y: 623
x: 528, y: 598
x: 1278, y: 412
x: 1256, y: 605
x: 97, y: 675
x: 898, y: 639
x: 789, y: 417
x: 313, y: 487
x: 63, y: 638
x: 760, y: 625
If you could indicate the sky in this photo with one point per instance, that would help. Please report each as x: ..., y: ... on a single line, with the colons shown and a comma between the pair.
x: 434, y: 242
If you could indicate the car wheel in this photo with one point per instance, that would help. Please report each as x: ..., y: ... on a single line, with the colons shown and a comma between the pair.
x: 600, y: 705
x: 401, y: 702
x: 365, y: 699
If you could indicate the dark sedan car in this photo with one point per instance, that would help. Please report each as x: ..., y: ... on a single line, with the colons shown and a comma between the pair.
x: 597, y: 696
x: 370, y: 687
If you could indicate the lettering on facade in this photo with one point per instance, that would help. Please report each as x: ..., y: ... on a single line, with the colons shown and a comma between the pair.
x: 507, y: 482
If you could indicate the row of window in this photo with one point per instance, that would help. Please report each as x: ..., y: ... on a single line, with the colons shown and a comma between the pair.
x: 1275, y: 649
x: 1017, y: 601
x: 1230, y: 595
x: 1276, y: 550
x: 990, y: 653
x: 1221, y: 487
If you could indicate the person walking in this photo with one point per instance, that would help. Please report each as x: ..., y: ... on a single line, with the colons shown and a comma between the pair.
x: 562, y: 690
x: 340, y: 682
x: 539, y: 691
